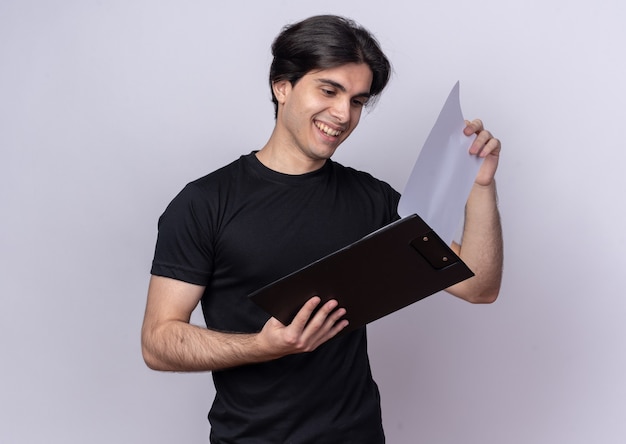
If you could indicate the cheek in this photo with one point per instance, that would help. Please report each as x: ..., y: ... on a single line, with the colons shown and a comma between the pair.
x: 300, y: 110
x: 355, y: 117
x: 293, y: 115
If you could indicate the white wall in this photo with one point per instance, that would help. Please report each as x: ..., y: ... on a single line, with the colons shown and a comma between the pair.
x: 107, y: 108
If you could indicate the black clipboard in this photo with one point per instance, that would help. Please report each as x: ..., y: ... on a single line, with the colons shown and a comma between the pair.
x: 379, y: 274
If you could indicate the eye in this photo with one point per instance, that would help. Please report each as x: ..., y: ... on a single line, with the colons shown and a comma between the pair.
x: 328, y: 92
x: 360, y: 102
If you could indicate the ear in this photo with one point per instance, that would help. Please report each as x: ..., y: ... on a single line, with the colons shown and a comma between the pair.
x: 281, y: 90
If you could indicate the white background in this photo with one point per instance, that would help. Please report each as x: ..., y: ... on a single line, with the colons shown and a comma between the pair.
x: 107, y: 108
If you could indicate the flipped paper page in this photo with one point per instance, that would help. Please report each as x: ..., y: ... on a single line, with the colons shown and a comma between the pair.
x: 444, y: 173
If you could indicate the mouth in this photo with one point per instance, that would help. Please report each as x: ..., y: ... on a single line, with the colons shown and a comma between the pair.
x: 331, y: 132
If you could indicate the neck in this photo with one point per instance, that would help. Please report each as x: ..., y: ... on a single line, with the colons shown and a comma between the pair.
x: 283, y: 159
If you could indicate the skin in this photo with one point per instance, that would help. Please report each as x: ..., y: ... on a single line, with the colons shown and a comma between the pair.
x: 333, y: 98
x: 314, y: 117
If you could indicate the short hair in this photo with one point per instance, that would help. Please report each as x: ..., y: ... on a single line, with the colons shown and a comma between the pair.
x: 325, y: 42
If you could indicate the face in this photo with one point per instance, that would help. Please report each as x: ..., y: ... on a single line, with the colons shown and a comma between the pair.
x: 317, y: 114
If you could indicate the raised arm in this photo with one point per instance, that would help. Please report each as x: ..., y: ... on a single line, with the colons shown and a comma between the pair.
x: 481, y: 248
x: 170, y: 343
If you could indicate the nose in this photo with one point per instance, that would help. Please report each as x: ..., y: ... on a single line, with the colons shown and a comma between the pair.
x: 341, y: 110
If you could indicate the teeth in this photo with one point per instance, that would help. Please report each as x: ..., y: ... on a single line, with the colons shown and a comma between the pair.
x: 327, y: 130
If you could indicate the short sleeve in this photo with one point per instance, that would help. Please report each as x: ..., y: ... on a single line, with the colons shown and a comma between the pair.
x: 184, y: 247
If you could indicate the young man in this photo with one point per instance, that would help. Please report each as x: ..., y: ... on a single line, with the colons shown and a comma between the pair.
x: 274, y: 211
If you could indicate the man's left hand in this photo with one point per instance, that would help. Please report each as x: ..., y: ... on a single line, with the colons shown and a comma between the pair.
x: 486, y: 146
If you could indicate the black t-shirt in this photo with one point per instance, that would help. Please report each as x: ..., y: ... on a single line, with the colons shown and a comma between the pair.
x: 242, y: 227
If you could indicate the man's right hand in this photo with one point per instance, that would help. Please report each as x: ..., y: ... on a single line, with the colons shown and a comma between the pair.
x: 308, y: 330
x: 170, y: 343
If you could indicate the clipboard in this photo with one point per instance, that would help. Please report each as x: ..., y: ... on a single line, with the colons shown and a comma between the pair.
x: 377, y: 275
x: 404, y: 261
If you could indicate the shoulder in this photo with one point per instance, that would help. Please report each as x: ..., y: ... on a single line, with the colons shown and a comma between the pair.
x: 361, y: 178
x: 217, y: 182
x: 221, y: 176
x: 202, y: 194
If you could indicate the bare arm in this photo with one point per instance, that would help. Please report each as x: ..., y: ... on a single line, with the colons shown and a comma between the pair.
x: 169, y: 342
x: 482, y: 248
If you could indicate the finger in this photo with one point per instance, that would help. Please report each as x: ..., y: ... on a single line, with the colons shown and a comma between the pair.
x: 336, y: 329
x: 324, y: 320
x: 338, y: 322
x: 488, y: 169
x: 326, y: 324
x: 473, y: 127
x: 492, y: 147
x: 481, y: 141
x: 333, y: 317
x: 302, y: 317
x: 323, y: 314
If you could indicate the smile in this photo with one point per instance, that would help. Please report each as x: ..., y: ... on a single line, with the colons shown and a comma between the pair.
x: 327, y: 130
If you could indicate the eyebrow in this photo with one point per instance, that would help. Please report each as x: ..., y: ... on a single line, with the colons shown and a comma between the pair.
x: 342, y: 88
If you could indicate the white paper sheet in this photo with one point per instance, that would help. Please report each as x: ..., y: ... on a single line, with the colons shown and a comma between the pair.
x: 444, y: 173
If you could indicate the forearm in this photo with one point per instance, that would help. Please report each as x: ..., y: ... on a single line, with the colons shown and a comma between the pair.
x: 481, y: 247
x: 179, y: 346
x: 170, y: 343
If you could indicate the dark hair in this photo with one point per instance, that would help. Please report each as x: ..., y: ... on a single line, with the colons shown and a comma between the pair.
x: 324, y: 42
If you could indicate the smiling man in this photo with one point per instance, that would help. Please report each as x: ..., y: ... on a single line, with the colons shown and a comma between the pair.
x: 273, y: 211
x: 314, y: 116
